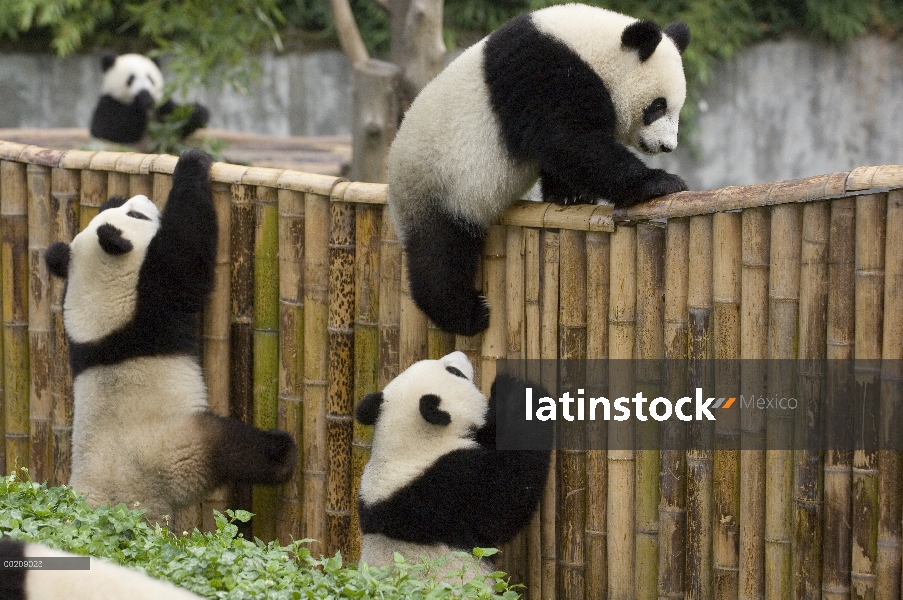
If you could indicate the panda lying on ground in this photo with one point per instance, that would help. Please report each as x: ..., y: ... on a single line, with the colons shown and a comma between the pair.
x: 554, y: 94
x: 132, y: 86
x: 436, y: 481
x: 103, y: 581
x: 136, y: 281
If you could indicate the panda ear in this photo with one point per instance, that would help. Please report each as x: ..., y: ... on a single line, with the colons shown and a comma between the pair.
x: 430, y: 411
x: 679, y: 34
x: 111, y: 240
x: 107, y: 61
x: 113, y: 202
x: 642, y: 36
x: 367, y: 411
x: 57, y: 258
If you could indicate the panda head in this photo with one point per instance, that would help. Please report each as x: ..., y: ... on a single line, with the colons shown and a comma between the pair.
x: 132, y: 78
x: 430, y: 409
x: 639, y: 62
x: 101, y: 267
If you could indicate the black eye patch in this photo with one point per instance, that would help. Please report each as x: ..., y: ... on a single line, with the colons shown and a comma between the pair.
x: 130, y: 80
x: 430, y: 411
x: 655, y: 111
x: 455, y: 371
x: 137, y: 215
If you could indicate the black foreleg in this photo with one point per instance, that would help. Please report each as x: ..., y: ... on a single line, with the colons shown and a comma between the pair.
x: 244, y: 454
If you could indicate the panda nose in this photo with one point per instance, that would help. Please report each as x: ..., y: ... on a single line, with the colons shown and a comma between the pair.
x: 665, y: 148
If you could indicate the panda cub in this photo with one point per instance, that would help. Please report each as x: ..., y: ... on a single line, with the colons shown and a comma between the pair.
x: 102, y: 581
x: 436, y: 481
x: 132, y: 86
x: 557, y: 94
x: 136, y: 281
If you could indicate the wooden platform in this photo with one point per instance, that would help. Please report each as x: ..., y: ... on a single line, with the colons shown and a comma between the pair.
x: 329, y: 155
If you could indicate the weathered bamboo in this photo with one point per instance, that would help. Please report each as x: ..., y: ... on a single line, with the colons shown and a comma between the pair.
x: 598, y: 278
x: 621, y: 456
x: 700, y: 454
x: 753, y: 348
x: 390, y: 274
x: 650, y: 285
x: 494, y: 342
x: 807, y: 497
x: 14, y: 239
x: 93, y: 194
x: 143, y: 184
x: 118, y: 184
x: 366, y: 348
x: 340, y: 389
x: 890, y: 503
x: 40, y: 333
x: 412, y: 325
x: 316, y: 352
x: 572, y: 456
x: 548, y: 348
x: 837, y: 543
x: 64, y: 195
x: 871, y: 213
x: 672, y: 505
x: 532, y: 270
x: 783, y: 299
x: 726, y: 284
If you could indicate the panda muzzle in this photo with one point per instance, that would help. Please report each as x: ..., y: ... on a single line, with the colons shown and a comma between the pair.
x: 144, y: 99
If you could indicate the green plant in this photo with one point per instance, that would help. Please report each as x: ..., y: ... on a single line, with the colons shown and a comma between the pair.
x: 223, y: 564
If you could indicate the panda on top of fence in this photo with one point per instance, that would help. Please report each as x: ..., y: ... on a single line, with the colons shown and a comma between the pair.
x: 557, y: 94
x: 136, y: 282
x: 132, y: 87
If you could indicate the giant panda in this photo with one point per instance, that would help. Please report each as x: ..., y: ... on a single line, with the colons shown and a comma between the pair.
x: 436, y: 482
x: 102, y: 581
x: 136, y: 281
x: 132, y: 87
x: 553, y: 94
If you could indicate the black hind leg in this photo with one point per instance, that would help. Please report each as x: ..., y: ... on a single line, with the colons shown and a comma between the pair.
x: 443, y: 255
x: 244, y: 454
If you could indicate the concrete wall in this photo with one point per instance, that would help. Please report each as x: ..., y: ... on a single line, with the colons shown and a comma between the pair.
x: 779, y: 110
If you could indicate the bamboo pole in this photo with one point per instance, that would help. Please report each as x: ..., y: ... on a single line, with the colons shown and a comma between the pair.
x: 700, y: 454
x: 340, y: 389
x: 217, y: 321
x: 143, y: 184
x: 366, y: 348
x: 783, y: 298
x: 93, y: 194
x: 650, y: 284
x: 598, y: 278
x: 621, y: 456
x: 548, y: 348
x: 494, y: 339
x: 40, y: 332
x: 64, y: 187
x: 871, y: 217
x: 753, y: 349
x: 412, y: 325
x: 390, y: 274
x: 837, y: 543
x: 316, y: 352
x: 807, y: 520
x: 118, y: 184
x: 532, y: 270
x: 572, y: 455
x: 890, y: 504
x: 726, y: 287
x: 14, y: 239
x: 672, y: 506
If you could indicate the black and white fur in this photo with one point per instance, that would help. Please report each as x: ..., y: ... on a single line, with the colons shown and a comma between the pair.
x: 136, y: 281
x: 132, y: 88
x: 556, y: 94
x: 103, y: 581
x: 435, y: 481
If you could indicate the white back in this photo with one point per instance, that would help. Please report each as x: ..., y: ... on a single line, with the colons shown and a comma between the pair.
x: 144, y: 74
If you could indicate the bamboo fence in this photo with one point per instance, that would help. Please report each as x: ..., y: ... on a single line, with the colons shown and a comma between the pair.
x: 311, y: 311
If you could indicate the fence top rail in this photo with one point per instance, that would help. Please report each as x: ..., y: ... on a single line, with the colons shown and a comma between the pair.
x: 527, y: 214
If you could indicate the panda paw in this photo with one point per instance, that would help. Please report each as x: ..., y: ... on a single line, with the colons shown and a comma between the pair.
x: 280, y: 451
x: 661, y: 183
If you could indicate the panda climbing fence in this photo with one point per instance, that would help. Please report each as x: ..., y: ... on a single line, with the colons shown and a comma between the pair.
x: 311, y: 312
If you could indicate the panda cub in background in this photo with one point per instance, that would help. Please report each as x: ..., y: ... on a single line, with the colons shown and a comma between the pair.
x: 103, y: 581
x: 132, y: 87
x: 136, y: 281
x: 436, y: 482
x: 557, y: 94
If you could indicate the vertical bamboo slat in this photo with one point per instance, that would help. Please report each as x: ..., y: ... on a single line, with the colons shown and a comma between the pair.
x: 494, y: 339
x: 40, y: 333
x: 726, y: 288
x: 14, y: 239
x: 548, y: 348
x: 341, y: 376
x: 316, y: 353
x: 621, y: 457
x: 650, y: 276
x: 64, y: 186
x: 753, y: 348
x: 784, y: 285
x: 871, y: 213
x: 532, y: 270
x: 412, y: 325
x: 390, y: 274
x: 93, y: 194
x: 837, y: 543
x: 672, y: 558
